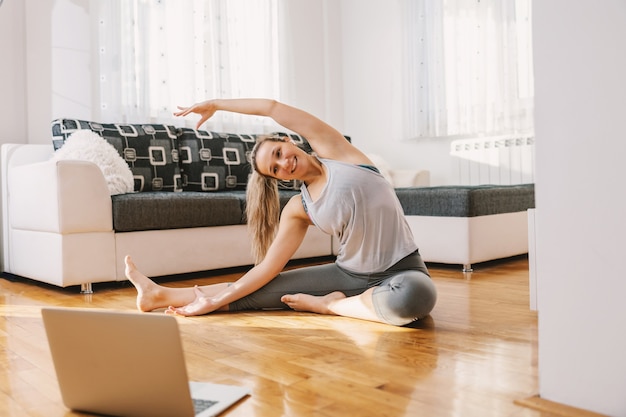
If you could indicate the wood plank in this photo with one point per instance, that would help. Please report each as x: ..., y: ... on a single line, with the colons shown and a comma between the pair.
x: 537, y: 403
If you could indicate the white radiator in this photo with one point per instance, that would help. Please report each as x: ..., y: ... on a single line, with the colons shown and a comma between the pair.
x: 495, y: 160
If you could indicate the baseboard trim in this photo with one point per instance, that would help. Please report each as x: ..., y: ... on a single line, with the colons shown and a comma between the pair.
x: 537, y: 403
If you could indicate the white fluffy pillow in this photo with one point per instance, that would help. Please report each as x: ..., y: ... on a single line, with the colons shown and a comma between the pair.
x: 85, y: 145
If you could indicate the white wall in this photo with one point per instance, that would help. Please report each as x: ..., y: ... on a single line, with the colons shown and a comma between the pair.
x: 47, y: 73
x: 13, y: 127
x: 72, y: 59
x: 38, y: 70
x: 313, y: 58
x: 580, y: 67
x: 372, y: 64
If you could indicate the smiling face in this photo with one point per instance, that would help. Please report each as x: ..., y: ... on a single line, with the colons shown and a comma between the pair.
x: 280, y: 159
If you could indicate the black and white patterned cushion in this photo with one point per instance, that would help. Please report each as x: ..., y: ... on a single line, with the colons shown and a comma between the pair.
x: 212, y: 161
x: 150, y: 150
x: 166, y: 158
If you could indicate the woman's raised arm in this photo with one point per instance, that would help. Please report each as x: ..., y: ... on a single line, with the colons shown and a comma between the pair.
x: 323, y: 138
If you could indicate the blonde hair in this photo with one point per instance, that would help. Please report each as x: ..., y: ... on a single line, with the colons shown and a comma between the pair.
x: 262, y: 205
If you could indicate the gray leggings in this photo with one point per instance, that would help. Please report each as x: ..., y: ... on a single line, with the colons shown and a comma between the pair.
x: 404, y: 293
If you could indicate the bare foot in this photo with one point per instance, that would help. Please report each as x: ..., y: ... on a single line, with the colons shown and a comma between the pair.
x: 148, y: 293
x: 312, y: 303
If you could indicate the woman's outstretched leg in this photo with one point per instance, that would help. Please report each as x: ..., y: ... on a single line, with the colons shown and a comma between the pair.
x: 151, y: 296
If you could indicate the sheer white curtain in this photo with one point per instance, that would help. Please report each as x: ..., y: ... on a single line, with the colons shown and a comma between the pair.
x: 468, y: 68
x: 157, y: 54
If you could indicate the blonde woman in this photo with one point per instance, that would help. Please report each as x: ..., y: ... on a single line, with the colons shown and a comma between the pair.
x: 378, y: 274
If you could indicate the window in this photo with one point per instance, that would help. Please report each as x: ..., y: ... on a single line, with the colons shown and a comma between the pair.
x: 468, y: 68
x: 157, y: 54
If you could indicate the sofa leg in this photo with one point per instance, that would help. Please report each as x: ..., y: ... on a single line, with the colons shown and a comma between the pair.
x: 86, y: 288
x: 467, y: 268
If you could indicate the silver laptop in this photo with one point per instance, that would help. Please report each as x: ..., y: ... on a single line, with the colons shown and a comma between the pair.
x: 128, y: 364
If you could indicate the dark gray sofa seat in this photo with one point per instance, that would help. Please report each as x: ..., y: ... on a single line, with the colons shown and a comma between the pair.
x: 159, y: 210
x: 166, y: 210
x: 466, y: 201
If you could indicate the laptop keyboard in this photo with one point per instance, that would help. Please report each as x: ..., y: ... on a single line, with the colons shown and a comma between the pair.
x: 200, y: 405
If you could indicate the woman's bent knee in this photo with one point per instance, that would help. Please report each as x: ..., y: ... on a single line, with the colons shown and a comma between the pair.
x: 405, y: 297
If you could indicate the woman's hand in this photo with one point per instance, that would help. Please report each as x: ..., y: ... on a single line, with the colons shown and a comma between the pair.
x: 205, y: 109
x: 201, y: 305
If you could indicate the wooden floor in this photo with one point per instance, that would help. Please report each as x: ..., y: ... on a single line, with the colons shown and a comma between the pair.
x: 475, y: 356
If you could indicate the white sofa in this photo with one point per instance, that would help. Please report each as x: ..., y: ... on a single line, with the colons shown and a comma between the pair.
x: 57, y: 228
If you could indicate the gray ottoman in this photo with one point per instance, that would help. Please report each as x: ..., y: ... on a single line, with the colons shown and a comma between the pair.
x: 469, y: 224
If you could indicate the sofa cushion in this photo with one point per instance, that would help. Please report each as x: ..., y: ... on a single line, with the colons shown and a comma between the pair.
x: 466, y: 201
x: 150, y: 150
x: 85, y: 145
x: 212, y: 161
x: 166, y: 158
x: 159, y: 210
x: 284, y: 197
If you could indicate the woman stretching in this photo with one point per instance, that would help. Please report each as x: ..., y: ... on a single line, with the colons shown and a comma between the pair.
x: 378, y: 274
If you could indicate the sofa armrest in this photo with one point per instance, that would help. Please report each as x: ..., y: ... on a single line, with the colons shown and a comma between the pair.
x: 59, y: 197
x: 410, y: 178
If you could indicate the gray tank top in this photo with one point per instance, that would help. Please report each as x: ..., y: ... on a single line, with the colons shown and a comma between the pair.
x: 360, y: 208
